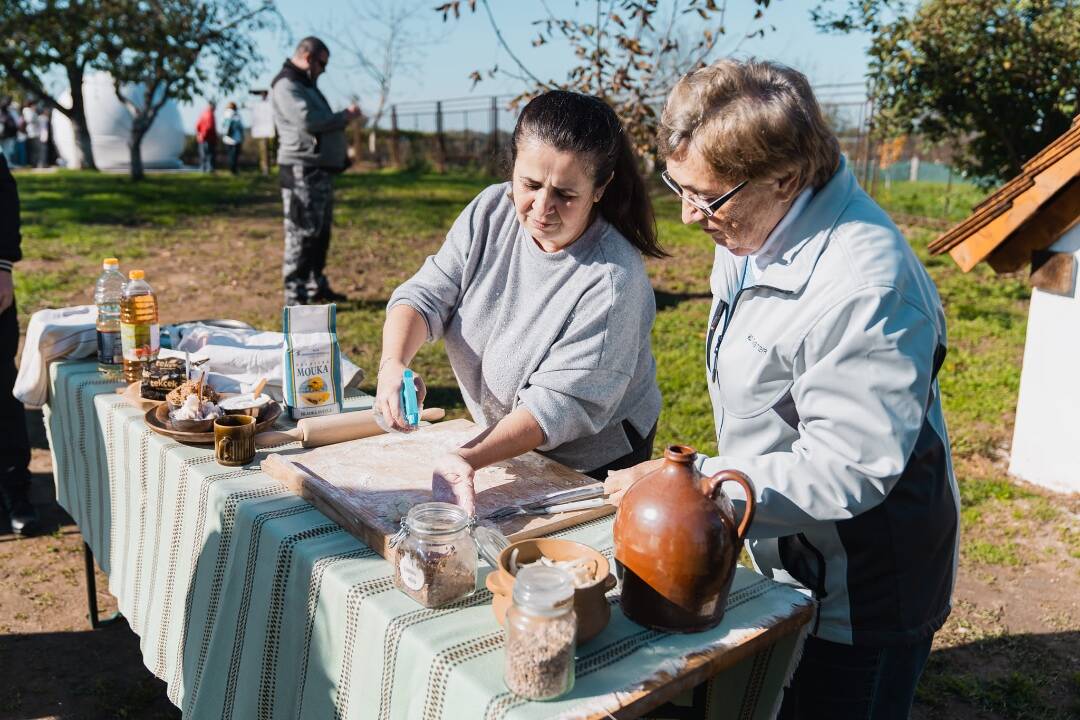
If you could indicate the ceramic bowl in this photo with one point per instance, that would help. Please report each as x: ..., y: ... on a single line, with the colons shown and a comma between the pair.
x: 592, y: 608
x: 233, y: 405
x: 206, y: 425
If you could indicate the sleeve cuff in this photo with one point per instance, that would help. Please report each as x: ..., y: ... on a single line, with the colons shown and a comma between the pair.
x: 711, y: 465
x: 541, y: 420
x: 6, y: 265
x: 432, y: 336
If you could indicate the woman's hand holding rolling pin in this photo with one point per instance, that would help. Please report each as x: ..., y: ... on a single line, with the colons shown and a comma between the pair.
x: 452, y: 482
x: 388, y: 411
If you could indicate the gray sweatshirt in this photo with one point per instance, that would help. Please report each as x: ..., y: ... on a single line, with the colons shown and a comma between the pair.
x: 563, y: 334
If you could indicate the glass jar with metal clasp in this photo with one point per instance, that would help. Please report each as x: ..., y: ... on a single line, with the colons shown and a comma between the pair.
x: 435, y: 558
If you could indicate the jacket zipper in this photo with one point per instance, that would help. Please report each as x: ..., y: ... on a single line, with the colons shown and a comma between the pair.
x: 716, y: 356
x: 723, y: 332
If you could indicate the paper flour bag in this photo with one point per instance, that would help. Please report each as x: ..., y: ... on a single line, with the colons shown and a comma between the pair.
x: 312, y: 361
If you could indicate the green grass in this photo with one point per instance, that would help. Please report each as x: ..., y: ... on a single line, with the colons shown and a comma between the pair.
x: 931, y: 200
x: 1014, y: 695
x: 994, y: 552
x: 387, y: 222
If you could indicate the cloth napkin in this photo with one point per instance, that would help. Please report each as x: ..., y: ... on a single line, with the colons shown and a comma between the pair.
x: 53, y: 334
x: 245, y: 356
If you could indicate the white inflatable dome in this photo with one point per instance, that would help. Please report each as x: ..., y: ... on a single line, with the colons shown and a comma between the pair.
x: 110, y: 124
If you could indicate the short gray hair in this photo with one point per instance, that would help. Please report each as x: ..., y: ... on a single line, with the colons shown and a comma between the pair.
x: 751, y: 120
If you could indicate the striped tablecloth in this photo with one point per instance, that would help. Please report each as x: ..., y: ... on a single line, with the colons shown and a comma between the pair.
x: 250, y: 603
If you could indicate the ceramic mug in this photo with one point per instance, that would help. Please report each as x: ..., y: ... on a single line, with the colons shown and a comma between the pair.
x: 234, y: 440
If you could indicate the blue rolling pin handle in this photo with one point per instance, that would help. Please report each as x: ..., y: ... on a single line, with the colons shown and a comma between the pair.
x: 410, y: 406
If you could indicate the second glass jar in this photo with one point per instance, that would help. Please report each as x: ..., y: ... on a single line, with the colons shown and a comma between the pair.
x: 541, y: 634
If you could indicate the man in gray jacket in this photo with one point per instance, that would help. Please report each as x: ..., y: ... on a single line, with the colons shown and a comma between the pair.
x: 311, y: 150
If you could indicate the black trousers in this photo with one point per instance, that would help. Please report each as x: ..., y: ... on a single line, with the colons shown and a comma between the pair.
x: 307, y: 195
x: 14, y: 442
x: 640, y: 452
x: 846, y: 682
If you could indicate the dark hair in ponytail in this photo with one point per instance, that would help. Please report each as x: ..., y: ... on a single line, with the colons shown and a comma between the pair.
x: 586, y: 125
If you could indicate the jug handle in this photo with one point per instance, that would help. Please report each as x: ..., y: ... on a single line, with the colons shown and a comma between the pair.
x: 712, y: 488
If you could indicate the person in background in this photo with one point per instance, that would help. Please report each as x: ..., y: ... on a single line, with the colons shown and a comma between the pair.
x: 30, y: 121
x: 311, y: 150
x: 43, y: 131
x: 206, y: 136
x: 9, y: 129
x: 21, y: 159
x: 233, y: 137
x: 14, y: 441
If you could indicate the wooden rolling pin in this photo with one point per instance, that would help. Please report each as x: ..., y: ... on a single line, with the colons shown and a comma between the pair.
x: 331, y: 429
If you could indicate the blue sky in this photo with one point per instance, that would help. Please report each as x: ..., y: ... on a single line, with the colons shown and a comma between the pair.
x: 461, y: 46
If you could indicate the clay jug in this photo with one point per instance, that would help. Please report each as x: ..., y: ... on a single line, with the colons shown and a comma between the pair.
x: 677, y: 542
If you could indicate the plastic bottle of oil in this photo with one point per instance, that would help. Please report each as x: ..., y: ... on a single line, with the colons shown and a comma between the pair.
x: 107, y: 294
x: 139, y: 330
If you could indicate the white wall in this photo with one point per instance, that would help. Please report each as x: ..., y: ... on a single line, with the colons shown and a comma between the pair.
x: 1046, y: 441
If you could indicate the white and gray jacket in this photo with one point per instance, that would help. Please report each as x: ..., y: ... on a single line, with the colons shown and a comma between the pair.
x: 824, y: 391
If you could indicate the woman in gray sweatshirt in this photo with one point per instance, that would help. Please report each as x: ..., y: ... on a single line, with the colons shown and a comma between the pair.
x: 541, y: 295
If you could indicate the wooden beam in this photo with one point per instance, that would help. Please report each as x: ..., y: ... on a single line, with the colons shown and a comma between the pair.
x: 1053, y: 271
x: 1040, y: 232
x: 976, y: 248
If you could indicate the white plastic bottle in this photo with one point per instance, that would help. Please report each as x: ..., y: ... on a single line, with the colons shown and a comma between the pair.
x: 107, y: 295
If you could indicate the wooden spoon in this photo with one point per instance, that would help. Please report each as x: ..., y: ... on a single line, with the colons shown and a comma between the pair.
x: 257, y: 390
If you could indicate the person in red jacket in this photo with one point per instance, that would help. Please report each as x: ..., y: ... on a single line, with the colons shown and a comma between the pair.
x: 206, y: 135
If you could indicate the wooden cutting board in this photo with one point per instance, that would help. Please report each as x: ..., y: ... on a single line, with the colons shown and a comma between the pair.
x: 367, y: 485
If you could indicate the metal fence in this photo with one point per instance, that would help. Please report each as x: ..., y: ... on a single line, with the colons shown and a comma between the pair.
x: 473, y: 132
x: 456, y: 132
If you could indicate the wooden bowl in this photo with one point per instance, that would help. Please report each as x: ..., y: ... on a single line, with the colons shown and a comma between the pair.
x: 157, y: 419
x: 590, y: 605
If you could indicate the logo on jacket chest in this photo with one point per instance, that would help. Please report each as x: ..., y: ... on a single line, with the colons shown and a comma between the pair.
x: 753, y: 341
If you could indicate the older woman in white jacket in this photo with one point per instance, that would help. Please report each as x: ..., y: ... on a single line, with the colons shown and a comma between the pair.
x: 822, y: 349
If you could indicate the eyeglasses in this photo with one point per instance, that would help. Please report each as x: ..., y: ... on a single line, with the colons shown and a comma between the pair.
x: 705, y: 205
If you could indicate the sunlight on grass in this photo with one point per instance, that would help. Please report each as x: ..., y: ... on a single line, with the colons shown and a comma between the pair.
x: 387, y: 222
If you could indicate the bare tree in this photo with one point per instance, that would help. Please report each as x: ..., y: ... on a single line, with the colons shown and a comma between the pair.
x: 384, y: 39
x: 161, y: 50
x: 629, y: 52
x: 37, y: 36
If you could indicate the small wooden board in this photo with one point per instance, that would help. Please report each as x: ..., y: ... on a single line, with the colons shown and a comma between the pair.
x: 367, y: 485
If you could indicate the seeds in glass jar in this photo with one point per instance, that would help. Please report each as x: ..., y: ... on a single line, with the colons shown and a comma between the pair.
x: 539, y: 663
x: 433, y: 576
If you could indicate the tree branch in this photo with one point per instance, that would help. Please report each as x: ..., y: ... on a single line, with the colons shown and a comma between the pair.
x: 506, y: 47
